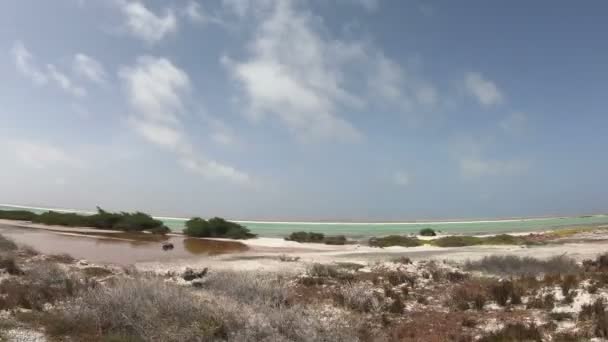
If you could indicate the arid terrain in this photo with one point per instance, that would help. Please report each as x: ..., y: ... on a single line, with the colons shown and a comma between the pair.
x: 287, y: 291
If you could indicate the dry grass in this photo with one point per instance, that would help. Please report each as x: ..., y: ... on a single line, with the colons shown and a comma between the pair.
x: 8, y: 263
x: 514, y: 332
x: 515, y: 265
x: 7, y: 245
x: 359, y: 297
x: 44, y: 283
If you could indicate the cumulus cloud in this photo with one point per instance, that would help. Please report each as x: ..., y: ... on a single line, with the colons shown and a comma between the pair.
x: 89, y: 68
x: 64, y: 82
x: 292, y: 74
x: 194, y: 12
x: 155, y: 89
x: 300, y: 74
x: 144, y: 24
x: 391, y: 84
x: 401, y: 178
x: 484, y: 90
x: 24, y: 61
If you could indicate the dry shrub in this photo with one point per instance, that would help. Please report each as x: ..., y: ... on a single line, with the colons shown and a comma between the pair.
x: 359, y: 297
x: 9, y: 264
x: 515, y: 265
x: 7, y: 245
x: 514, y: 332
x: 431, y: 326
x: 568, y: 282
x: 95, y: 271
x: 60, y: 258
x: 546, y: 302
x: 249, y: 287
x: 470, y: 294
x: 329, y: 271
x: 142, y: 309
x: 402, y: 260
x: 45, y: 283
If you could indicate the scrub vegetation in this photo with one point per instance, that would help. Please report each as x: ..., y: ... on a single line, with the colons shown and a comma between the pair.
x: 502, y: 298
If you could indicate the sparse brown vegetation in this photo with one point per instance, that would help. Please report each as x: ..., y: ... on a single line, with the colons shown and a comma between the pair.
x: 515, y: 265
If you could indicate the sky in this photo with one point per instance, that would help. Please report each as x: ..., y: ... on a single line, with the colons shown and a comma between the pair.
x: 306, y: 110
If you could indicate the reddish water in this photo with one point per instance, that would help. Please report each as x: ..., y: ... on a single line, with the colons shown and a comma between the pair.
x: 107, y: 248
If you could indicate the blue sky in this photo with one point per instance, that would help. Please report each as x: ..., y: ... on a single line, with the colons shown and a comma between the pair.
x: 270, y: 109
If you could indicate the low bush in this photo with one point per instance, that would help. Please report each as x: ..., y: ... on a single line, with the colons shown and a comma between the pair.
x: 312, y: 237
x: 470, y: 294
x: 309, y: 237
x: 335, y: 240
x: 7, y: 245
x: 514, y: 332
x: 216, y: 227
x: 516, y: 265
x: 44, y: 283
x: 19, y: 215
x: 457, y: 241
x: 427, y: 232
x: 359, y: 297
x: 394, y: 240
x: 328, y: 271
x: 137, y: 221
x: 9, y: 264
x: 140, y: 309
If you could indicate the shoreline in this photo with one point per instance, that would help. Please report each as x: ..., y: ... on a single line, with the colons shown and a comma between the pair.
x: 331, y: 222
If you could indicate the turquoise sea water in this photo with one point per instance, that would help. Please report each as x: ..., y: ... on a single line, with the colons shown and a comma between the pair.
x: 282, y: 229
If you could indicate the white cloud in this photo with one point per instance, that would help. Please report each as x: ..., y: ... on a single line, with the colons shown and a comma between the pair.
x: 144, y: 24
x: 24, y: 62
x: 300, y: 74
x: 42, y: 155
x: 64, y: 82
x: 391, y: 84
x: 197, y: 14
x: 89, y: 68
x: 40, y: 76
x: 295, y: 74
x: 485, y: 91
x: 155, y: 88
x: 515, y: 123
x: 401, y: 178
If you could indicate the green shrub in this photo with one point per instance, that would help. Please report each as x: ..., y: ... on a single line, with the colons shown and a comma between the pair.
x: 20, y: 215
x: 102, y: 219
x: 427, y: 232
x: 216, y: 227
x: 310, y: 237
x: 457, y: 241
x: 335, y: 240
x: 394, y: 240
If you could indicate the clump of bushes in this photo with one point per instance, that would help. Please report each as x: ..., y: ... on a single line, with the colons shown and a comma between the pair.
x: 312, y: 237
x: 7, y: 245
x: 514, y: 332
x: 19, y: 215
x: 462, y: 240
x: 394, y: 240
x: 457, y: 241
x: 516, y: 265
x: 427, y: 232
x: 216, y: 227
x: 124, y: 221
